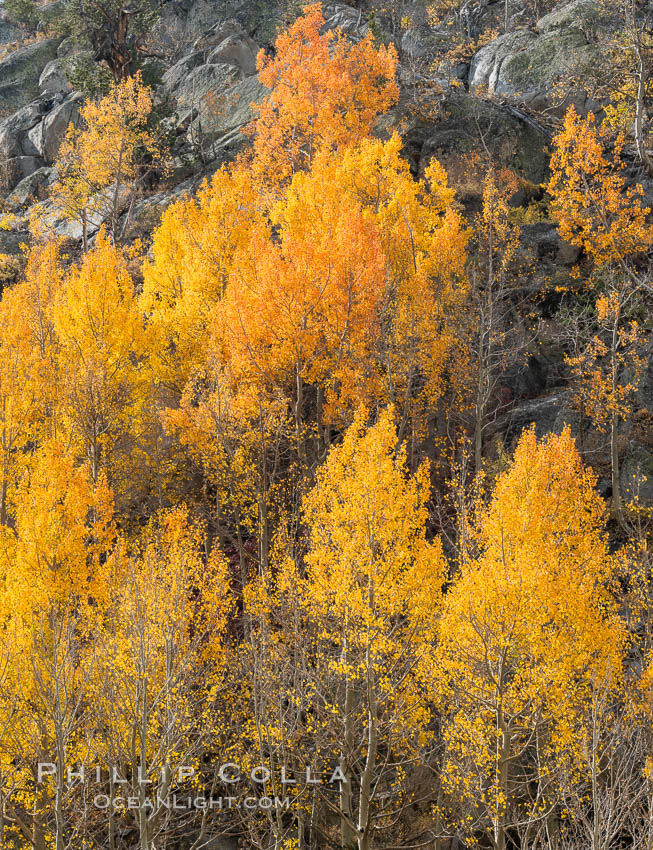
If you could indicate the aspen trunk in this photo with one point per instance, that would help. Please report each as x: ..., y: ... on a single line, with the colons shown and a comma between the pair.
x: 347, y: 836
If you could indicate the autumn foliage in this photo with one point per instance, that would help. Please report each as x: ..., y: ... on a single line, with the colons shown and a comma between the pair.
x: 250, y: 514
x: 325, y: 94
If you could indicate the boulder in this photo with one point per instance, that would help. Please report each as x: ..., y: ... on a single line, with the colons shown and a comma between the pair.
x: 238, y: 51
x: 21, y: 70
x: 487, y: 69
x: 176, y: 75
x: 204, y: 91
x: 47, y: 136
x: 513, y: 140
x: 55, y: 223
x: 12, y: 241
x: 526, y: 66
x: 9, y: 31
x: 353, y: 22
x: 180, y: 24
x: 218, y: 33
x: 232, y: 111
x: 53, y: 78
x: 636, y: 474
x: 26, y: 191
x: 545, y: 243
x: 13, y: 130
x: 18, y: 167
x: 578, y: 13
x: 544, y: 413
x: 414, y: 43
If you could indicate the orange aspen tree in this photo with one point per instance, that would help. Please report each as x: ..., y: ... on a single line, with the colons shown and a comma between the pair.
x: 352, y: 298
x: 526, y: 631
x: 423, y: 242
x: 302, y: 311
x: 325, y: 94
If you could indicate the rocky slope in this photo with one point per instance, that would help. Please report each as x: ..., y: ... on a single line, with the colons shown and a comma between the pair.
x: 501, y: 102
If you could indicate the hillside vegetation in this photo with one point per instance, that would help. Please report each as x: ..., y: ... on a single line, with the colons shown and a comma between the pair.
x: 326, y: 404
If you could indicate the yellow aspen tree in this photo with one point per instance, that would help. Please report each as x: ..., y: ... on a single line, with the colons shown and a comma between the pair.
x: 193, y: 254
x: 302, y: 311
x: 496, y: 242
x: 597, y: 213
x: 365, y: 614
x: 158, y: 685
x: 621, y: 72
x: 63, y: 527
x: 594, y: 208
x: 606, y: 373
x: 100, y: 349
x: 53, y: 588
x: 30, y: 386
x: 237, y: 439
x: 526, y: 630
x: 102, y: 161
x: 19, y: 390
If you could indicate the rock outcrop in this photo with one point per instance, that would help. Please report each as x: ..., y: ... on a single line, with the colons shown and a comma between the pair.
x: 21, y: 71
x: 535, y: 67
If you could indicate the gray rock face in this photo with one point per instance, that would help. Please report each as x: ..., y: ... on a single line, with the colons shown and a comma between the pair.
x: 544, y: 239
x: 53, y: 78
x: 71, y: 46
x: 176, y: 75
x: 351, y: 21
x: 544, y: 413
x: 526, y: 66
x: 512, y: 142
x: 232, y: 113
x: 577, y: 13
x: 50, y: 133
x: 413, y: 43
x: 12, y: 241
x: 487, y: 67
x: 14, y: 128
x: 238, y: 51
x: 636, y: 474
x: 180, y: 25
x: 20, y: 73
x: 8, y: 31
x: 27, y: 134
x: 26, y: 191
x: 19, y: 167
x: 203, y: 92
